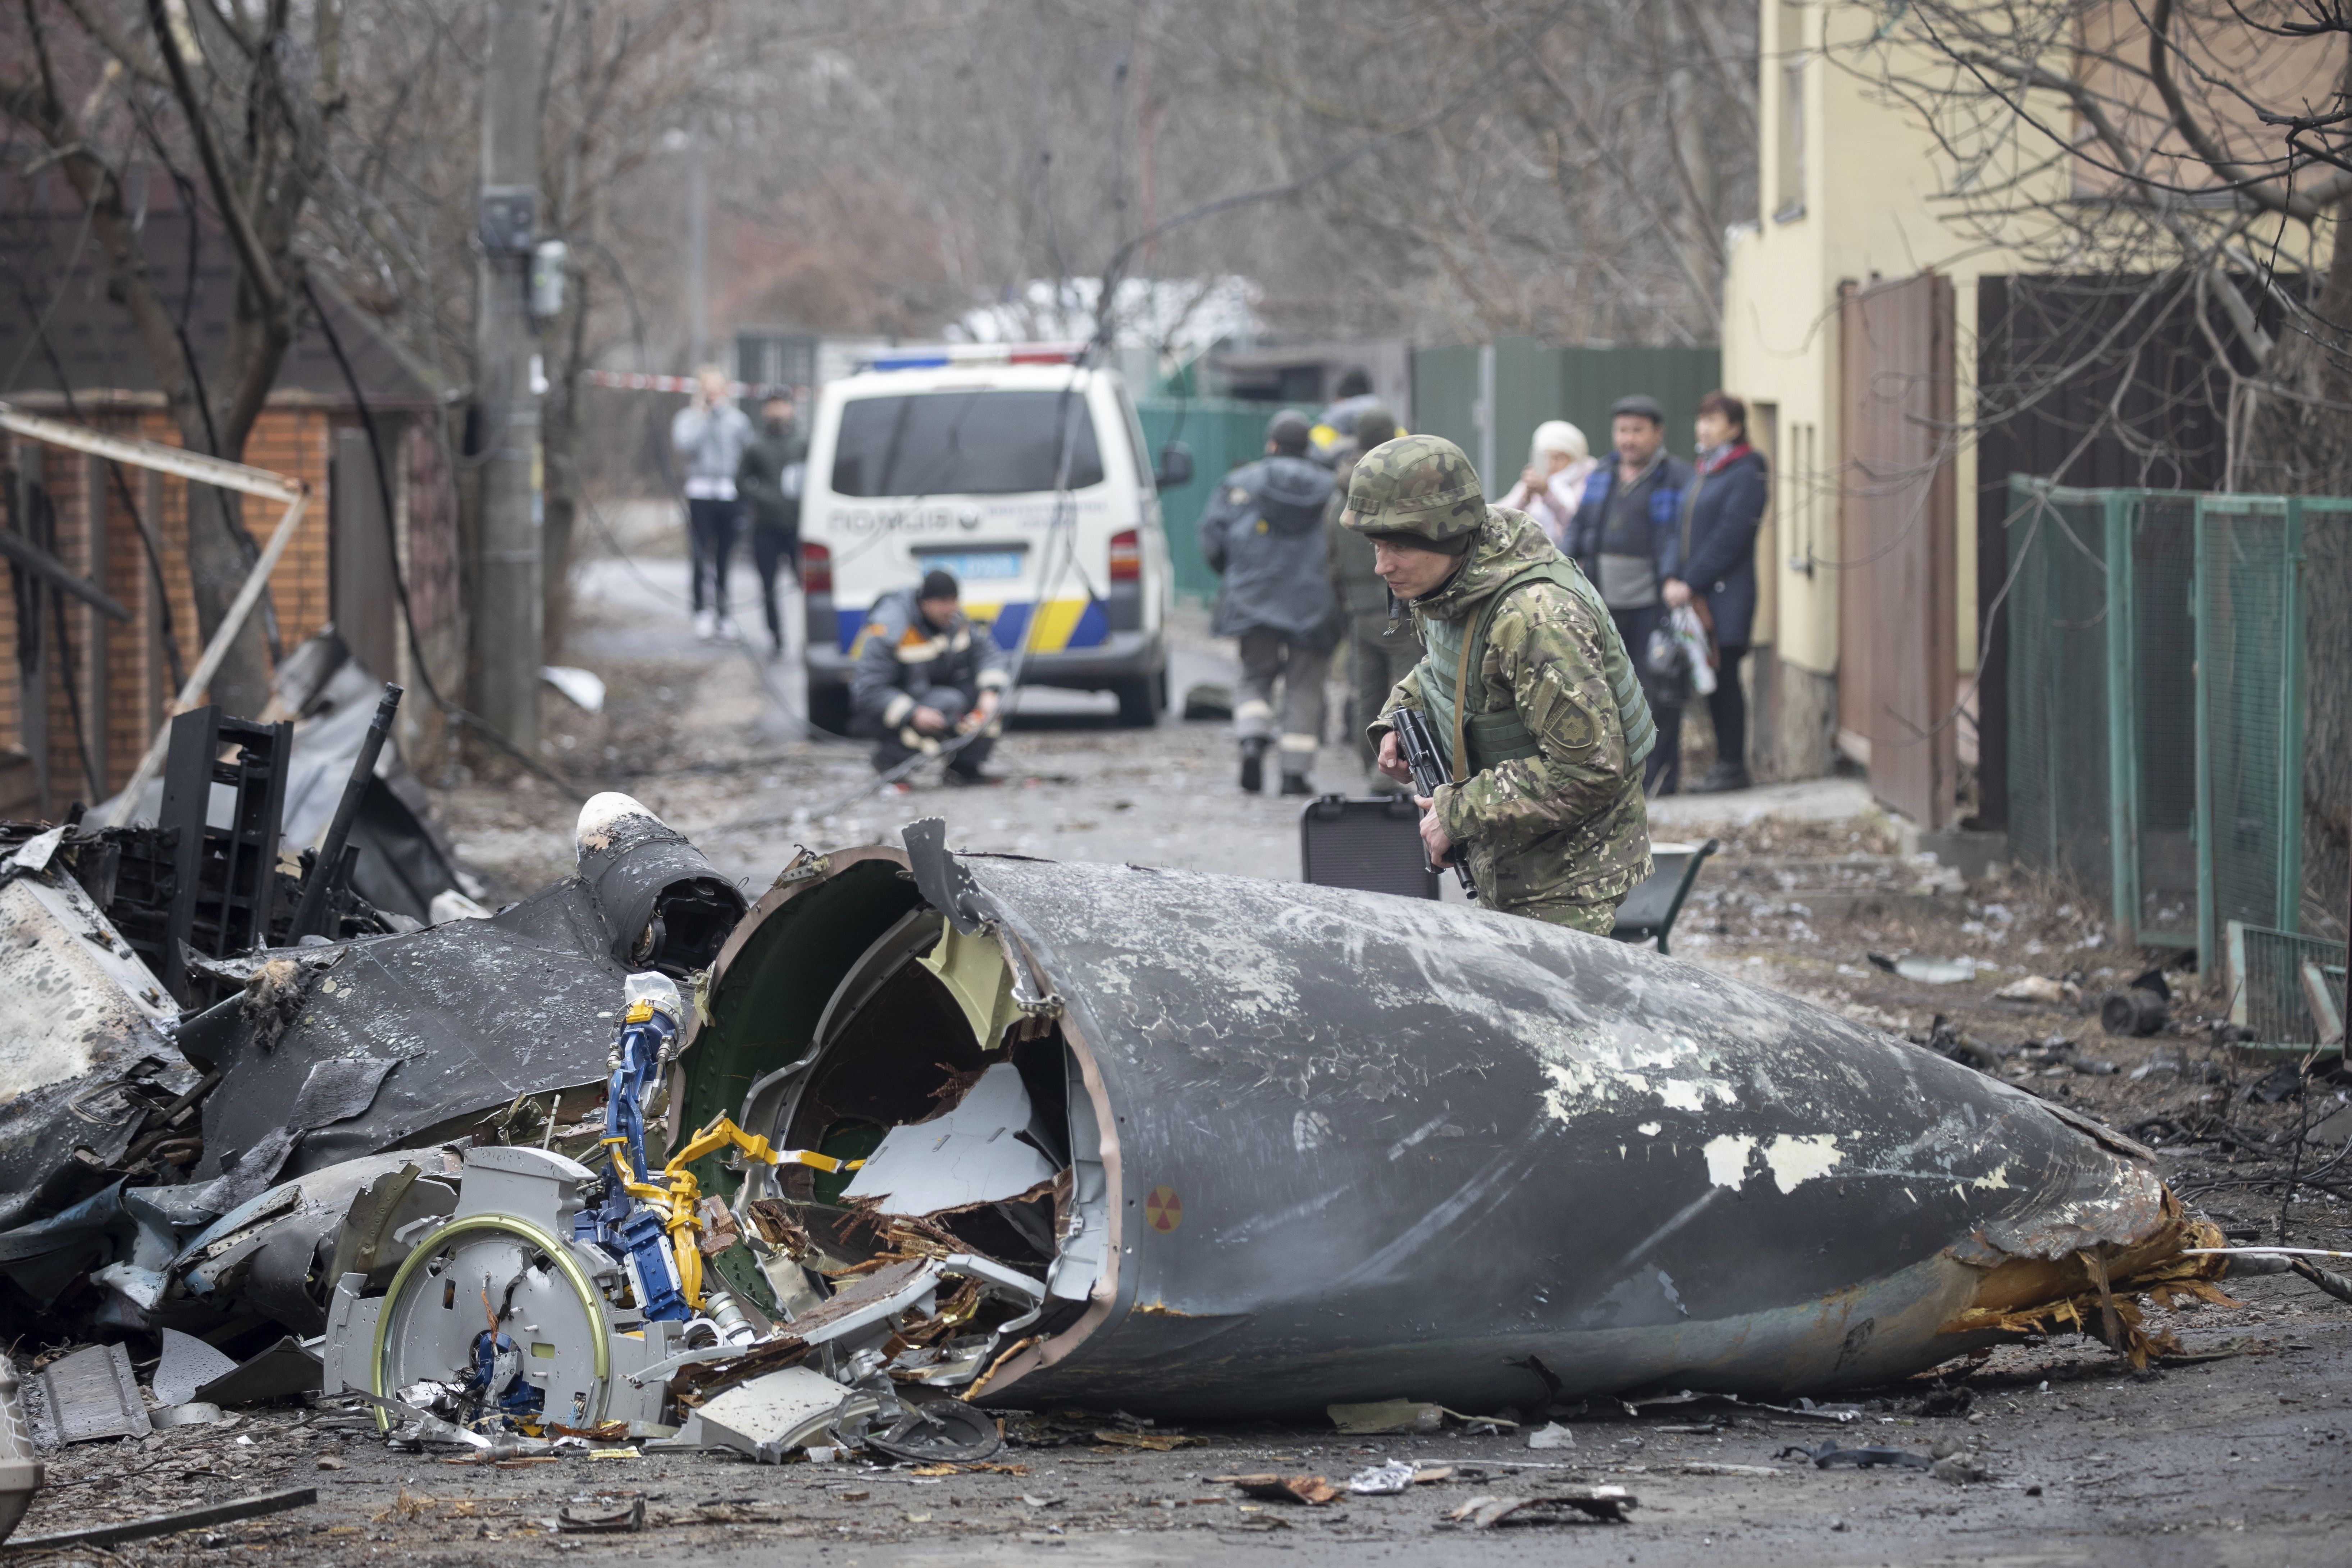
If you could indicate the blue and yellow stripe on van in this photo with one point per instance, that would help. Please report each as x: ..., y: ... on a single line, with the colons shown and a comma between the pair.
x: 1062, y: 625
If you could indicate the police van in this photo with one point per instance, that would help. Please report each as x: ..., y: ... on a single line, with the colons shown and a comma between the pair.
x: 1022, y: 472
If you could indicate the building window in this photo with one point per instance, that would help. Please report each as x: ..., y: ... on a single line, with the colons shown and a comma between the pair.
x: 1790, y: 157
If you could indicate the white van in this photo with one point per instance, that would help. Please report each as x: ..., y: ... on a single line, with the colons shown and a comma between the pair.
x: 1022, y: 472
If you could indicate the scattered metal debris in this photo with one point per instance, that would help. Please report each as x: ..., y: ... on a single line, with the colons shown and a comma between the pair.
x: 87, y: 1395
x: 1384, y: 1481
x: 628, y: 1518
x: 1927, y: 970
x: 1829, y: 1454
x: 1609, y: 1504
x: 187, y: 1364
x: 280, y: 1371
x: 2132, y: 1011
x: 170, y: 1523
x: 21, y: 1471
x: 1388, y: 1415
x: 1314, y: 1492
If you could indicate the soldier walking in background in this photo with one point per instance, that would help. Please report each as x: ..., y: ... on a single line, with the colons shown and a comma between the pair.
x: 1379, y: 645
x: 708, y: 435
x: 1527, y: 689
x: 1264, y: 535
x: 773, y: 468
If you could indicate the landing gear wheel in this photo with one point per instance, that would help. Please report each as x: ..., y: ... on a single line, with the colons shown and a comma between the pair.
x: 530, y: 1281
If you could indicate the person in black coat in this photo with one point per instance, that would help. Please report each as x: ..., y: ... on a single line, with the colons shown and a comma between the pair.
x: 769, y: 479
x: 1721, y: 512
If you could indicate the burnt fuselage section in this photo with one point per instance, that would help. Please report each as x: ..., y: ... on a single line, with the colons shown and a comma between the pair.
x: 1319, y: 1145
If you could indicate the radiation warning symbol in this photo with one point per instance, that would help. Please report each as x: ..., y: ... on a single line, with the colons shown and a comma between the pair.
x: 1164, y: 1211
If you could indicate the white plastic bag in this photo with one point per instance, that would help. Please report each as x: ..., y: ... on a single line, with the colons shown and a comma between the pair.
x: 1693, y: 636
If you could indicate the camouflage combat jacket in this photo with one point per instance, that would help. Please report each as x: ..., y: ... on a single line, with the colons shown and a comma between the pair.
x: 1564, y: 834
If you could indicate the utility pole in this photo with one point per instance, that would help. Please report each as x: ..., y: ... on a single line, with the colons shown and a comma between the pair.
x: 698, y: 247
x: 507, y: 615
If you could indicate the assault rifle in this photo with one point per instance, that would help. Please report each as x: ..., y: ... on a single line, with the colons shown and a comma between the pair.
x: 1419, y: 749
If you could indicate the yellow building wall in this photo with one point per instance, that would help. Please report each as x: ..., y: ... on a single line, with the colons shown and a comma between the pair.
x: 1871, y: 210
x: 1871, y: 182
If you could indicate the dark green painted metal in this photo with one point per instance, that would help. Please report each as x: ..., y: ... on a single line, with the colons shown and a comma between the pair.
x: 2165, y: 730
x: 767, y: 1005
x: 1533, y: 383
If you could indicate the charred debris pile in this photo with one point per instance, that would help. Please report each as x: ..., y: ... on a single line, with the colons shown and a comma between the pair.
x: 915, y: 1132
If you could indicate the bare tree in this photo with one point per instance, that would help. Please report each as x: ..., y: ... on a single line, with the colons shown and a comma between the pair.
x: 2163, y: 159
x: 236, y: 102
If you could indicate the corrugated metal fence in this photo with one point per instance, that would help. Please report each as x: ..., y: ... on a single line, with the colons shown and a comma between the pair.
x: 1489, y: 398
x: 1223, y: 434
x: 1486, y: 399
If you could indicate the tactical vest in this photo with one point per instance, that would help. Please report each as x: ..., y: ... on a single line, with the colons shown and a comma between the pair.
x: 1498, y: 736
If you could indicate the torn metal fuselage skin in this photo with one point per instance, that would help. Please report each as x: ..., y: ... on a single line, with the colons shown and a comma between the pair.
x: 472, y: 1015
x: 79, y: 1014
x: 1358, y: 1146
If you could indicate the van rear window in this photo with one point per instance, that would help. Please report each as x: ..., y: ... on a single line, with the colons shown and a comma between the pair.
x: 964, y: 443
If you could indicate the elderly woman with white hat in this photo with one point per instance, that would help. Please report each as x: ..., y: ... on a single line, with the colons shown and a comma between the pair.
x: 1547, y: 491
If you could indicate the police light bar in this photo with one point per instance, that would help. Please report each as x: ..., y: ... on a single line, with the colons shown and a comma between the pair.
x: 940, y: 356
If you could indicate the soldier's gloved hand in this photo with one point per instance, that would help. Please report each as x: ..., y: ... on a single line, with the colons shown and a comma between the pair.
x: 1391, y: 761
x: 1434, y: 837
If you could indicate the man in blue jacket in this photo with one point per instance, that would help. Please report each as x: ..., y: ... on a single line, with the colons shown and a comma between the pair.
x: 1627, y: 536
x: 1720, y: 516
x: 1263, y: 534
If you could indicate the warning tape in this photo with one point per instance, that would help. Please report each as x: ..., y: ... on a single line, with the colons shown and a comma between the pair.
x: 632, y: 381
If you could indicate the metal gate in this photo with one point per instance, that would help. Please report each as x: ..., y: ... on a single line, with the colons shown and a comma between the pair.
x: 1897, y: 637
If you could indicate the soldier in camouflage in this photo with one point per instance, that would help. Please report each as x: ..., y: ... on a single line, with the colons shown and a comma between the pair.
x: 1525, y: 684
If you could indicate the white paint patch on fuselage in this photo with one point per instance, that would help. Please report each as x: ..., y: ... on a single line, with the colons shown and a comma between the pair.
x: 1726, y: 1159
x: 1795, y: 1161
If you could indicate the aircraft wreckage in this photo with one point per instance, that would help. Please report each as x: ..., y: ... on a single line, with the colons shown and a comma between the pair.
x: 929, y: 1128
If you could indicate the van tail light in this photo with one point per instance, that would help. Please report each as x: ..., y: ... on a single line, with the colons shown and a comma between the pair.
x: 1127, y: 557
x: 816, y: 569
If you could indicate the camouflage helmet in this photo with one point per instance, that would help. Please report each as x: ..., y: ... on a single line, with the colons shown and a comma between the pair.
x: 1421, y: 485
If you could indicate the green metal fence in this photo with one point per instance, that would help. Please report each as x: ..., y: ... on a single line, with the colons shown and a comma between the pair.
x: 2156, y: 701
x: 1223, y: 433
x: 2271, y: 976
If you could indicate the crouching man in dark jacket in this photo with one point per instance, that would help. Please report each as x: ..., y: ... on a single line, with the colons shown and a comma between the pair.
x: 926, y: 679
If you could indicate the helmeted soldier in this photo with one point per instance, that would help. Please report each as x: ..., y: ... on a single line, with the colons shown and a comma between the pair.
x: 1262, y: 534
x: 1376, y: 644
x: 1526, y: 686
x: 928, y: 680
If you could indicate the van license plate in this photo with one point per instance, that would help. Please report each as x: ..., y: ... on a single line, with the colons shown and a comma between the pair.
x: 975, y: 567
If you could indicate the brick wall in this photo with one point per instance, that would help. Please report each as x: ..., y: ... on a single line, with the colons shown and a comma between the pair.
x: 122, y: 691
